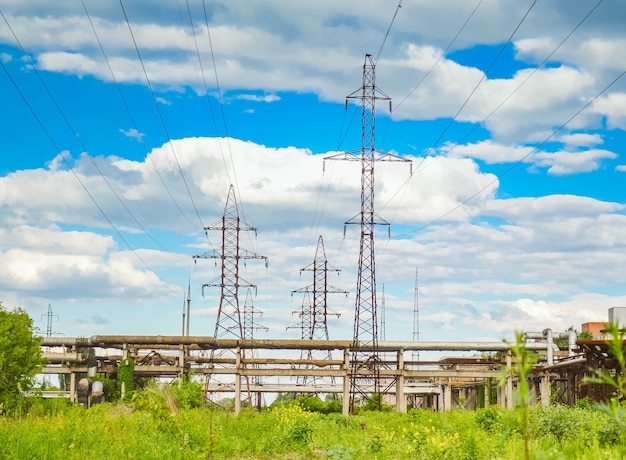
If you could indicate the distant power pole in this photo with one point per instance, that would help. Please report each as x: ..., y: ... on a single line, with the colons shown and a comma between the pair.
x: 365, y: 361
x: 49, y: 316
x: 249, y: 326
x: 382, y: 316
x: 416, y: 318
x: 314, y: 315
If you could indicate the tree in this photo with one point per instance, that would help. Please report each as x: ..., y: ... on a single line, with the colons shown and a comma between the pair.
x: 20, y: 356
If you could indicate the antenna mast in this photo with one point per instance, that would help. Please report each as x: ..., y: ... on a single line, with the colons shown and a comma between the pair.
x: 365, y: 361
x: 416, y: 318
x: 382, y: 315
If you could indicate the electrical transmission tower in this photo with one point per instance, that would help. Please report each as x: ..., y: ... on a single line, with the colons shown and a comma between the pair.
x: 249, y: 326
x: 365, y: 361
x: 314, y: 315
x: 50, y: 316
x: 229, y: 315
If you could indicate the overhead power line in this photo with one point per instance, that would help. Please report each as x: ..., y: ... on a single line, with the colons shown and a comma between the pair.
x: 158, y: 109
x: 77, y: 137
x: 77, y: 177
x: 382, y: 45
x: 530, y: 75
x: 130, y: 115
x: 510, y: 168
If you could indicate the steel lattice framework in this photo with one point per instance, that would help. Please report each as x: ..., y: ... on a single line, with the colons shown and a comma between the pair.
x: 365, y: 365
x: 229, y: 322
x: 314, y: 315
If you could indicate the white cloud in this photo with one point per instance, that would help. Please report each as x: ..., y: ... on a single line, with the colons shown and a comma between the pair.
x: 551, y: 260
x: 613, y: 106
x: 581, y: 140
x: 133, y: 133
x: 259, y: 98
x: 5, y: 58
x: 563, y: 162
x: 162, y: 100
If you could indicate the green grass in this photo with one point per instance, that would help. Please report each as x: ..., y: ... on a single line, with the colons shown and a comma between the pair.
x: 142, y: 431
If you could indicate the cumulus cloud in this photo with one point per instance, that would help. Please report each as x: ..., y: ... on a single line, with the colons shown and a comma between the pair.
x: 451, y: 218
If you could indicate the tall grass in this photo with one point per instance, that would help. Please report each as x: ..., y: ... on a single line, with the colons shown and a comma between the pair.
x: 137, y: 430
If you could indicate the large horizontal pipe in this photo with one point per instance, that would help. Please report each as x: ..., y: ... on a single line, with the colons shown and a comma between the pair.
x: 154, y: 341
x: 57, y: 358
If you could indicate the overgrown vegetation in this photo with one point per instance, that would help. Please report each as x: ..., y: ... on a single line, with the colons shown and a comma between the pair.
x: 615, y: 378
x: 523, y: 361
x: 162, y: 422
x: 20, y: 357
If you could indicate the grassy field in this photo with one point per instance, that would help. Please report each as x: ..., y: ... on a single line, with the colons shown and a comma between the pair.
x: 152, y: 428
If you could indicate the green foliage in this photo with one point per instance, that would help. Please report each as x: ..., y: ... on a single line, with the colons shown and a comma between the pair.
x: 615, y: 378
x: 522, y: 365
x: 189, y: 393
x: 20, y: 357
x: 126, y: 378
x: 149, y: 429
x: 375, y: 403
x: 585, y: 335
x: 315, y: 404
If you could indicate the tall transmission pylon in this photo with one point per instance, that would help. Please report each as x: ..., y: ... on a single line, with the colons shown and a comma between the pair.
x: 365, y: 361
x: 416, y: 317
x: 314, y: 315
x: 229, y: 322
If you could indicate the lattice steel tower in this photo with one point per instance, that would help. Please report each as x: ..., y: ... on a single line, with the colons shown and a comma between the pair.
x: 365, y: 362
x: 229, y: 322
x: 314, y: 315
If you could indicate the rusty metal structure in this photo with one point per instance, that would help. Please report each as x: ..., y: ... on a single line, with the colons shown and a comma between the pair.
x: 446, y: 384
x: 365, y: 365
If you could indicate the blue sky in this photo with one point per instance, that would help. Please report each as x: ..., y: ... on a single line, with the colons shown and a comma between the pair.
x: 514, y: 215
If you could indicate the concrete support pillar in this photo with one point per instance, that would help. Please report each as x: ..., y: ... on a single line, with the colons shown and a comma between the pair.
x: 400, y: 397
x: 502, y: 396
x: 181, y: 364
x: 125, y: 354
x: 545, y: 389
x: 509, y: 381
x: 445, y: 397
x: 346, y: 383
x: 238, y: 382
x: 486, y: 395
x: 72, y: 386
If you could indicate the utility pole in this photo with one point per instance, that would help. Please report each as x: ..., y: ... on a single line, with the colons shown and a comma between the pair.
x: 416, y: 318
x: 365, y: 361
x: 382, y: 316
x: 187, y: 310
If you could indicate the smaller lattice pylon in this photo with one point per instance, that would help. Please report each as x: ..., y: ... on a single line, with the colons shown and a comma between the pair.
x: 314, y: 315
x: 249, y: 326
